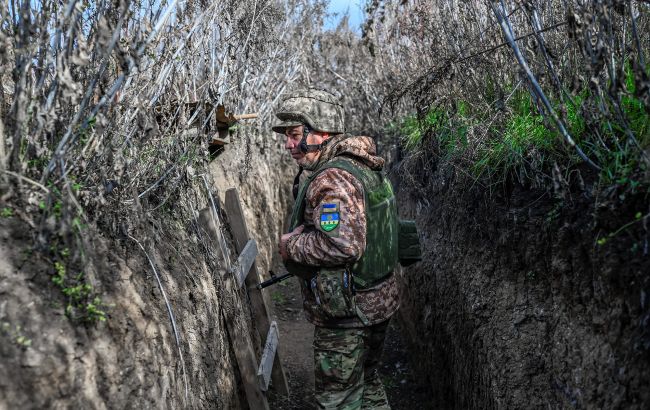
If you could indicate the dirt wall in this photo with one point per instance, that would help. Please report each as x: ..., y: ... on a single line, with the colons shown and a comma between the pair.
x: 129, y: 361
x: 132, y: 360
x: 515, y: 304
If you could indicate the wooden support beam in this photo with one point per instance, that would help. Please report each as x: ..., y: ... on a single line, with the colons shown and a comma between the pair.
x: 222, y: 137
x: 245, y: 261
x: 266, y: 363
x: 245, y: 355
x: 258, y: 306
x: 240, y: 337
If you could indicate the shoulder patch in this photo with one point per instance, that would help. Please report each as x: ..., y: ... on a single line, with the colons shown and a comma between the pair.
x: 329, y: 217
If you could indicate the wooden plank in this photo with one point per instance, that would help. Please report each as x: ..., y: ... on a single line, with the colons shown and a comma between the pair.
x: 258, y: 306
x: 245, y: 261
x: 240, y: 338
x: 245, y: 355
x: 220, y: 138
x: 266, y: 363
x: 222, y: 135
x: 218, y: 143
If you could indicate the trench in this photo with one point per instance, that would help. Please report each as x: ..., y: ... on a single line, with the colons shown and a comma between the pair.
x: 512, y: 306
x: 403, y: 388
x: 122, y: 122
x: 266, y: 202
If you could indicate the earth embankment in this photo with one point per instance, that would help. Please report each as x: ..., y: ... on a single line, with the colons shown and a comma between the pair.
x: 131, y: 359
x: 519, y: 301
x: 138, y: 356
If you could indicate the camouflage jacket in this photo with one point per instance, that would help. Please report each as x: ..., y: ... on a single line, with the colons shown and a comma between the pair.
x: 314, y: 248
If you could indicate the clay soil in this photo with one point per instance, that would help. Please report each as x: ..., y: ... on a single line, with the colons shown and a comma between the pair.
x: 516, y: 304
x: 128, y: 361
x: 404, y: 390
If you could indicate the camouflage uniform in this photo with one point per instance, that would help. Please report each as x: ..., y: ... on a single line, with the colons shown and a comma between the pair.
x: 346, y: 350
x: 346, y: 367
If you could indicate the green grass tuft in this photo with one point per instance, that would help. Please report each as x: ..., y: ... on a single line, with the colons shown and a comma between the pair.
x: 525, y: 142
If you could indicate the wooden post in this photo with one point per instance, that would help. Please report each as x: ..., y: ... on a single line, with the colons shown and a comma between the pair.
x: 260, y: 312
x: 240, y: 338
x: 245, y: 355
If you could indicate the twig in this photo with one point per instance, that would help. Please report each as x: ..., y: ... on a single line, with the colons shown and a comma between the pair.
x: 169, y: 311
x: 29, y: 180
x: 222, y: 240
x: 509, y: 35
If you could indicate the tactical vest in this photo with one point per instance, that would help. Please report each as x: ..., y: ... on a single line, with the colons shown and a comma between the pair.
x: 380, y: 256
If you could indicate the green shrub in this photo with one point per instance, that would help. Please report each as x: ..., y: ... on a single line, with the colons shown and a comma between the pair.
x: 450, y: 132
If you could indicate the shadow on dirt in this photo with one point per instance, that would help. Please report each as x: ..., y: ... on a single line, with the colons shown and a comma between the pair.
x: 405, y: 392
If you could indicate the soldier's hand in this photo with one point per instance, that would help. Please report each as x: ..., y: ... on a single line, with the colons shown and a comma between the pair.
x: 284, y: 238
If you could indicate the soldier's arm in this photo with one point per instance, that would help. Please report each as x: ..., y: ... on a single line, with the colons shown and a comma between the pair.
x: 339, y: 218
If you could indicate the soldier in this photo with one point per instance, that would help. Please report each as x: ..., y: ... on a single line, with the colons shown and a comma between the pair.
x: 342, y: 244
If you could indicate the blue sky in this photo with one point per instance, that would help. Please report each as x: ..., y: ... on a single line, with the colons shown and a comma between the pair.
x: 354, y: 9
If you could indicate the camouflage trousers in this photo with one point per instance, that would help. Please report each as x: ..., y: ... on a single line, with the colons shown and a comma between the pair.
x: 346, y: 363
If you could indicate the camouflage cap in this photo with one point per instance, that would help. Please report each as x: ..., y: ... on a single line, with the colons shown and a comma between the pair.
x: 319, y: 109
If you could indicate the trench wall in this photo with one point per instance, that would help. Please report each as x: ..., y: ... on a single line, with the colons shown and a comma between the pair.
x: 132, y: 359
x: 129, y: 361
x: 515, y: 304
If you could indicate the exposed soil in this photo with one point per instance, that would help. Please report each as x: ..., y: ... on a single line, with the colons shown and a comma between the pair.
x: 516, y: 305
x: 296, y: 336
x: 405, y: 391
x: 129, y: 361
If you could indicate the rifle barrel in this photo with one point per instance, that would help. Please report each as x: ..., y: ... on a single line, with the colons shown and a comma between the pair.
x: 274, y: 280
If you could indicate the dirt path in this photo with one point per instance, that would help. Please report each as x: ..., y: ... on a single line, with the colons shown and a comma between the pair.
x: 296, y: 335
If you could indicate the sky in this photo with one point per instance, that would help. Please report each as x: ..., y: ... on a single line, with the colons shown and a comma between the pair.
x: 354, y: 9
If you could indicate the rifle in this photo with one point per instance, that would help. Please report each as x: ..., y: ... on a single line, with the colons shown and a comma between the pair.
x: 274, y: 279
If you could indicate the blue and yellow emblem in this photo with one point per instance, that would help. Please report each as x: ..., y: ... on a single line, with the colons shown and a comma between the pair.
x: 329, y: 217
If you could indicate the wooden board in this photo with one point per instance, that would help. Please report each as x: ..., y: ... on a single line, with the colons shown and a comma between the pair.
x: 245, y: 355
x: 258, y: 306
x: 240, y: 338
x: 266, y: 363
x: 221, y: 138
x: 245, y: 261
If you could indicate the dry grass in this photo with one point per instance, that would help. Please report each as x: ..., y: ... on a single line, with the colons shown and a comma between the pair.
x: 99, y: 101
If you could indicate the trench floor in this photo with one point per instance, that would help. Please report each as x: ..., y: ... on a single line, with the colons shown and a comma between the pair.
x: 405, y: 391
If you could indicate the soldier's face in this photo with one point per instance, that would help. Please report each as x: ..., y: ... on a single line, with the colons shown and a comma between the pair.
x: 292, y: 144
